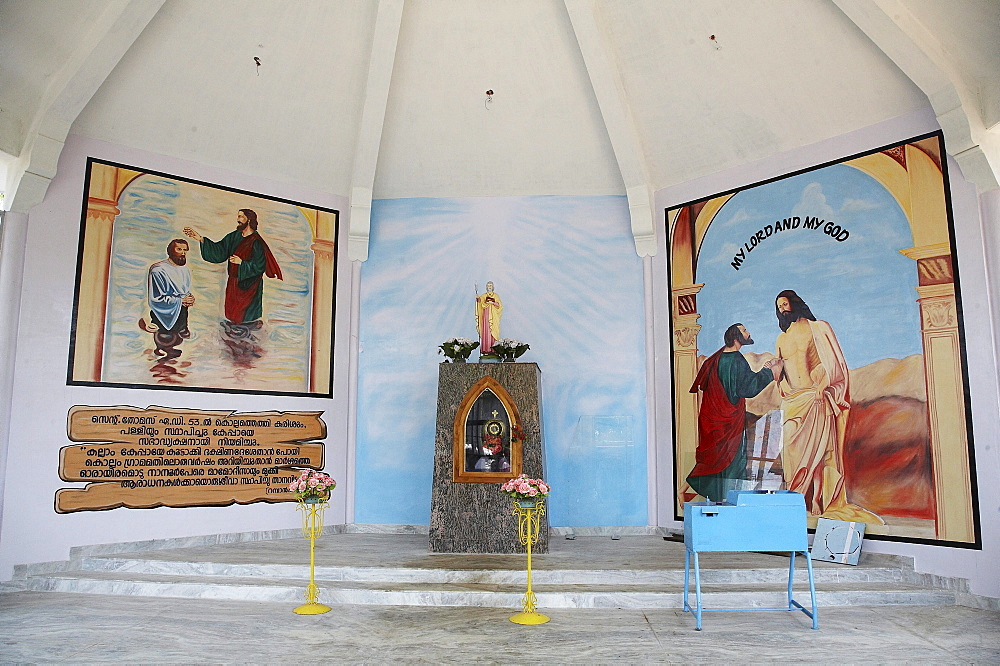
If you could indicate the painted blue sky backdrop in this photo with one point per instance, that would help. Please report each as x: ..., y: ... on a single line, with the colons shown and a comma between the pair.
x: 863, y: 286
x: 571, y: 284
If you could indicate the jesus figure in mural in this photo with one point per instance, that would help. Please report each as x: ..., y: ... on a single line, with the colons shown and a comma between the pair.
x: 489, y: 308
x: 248, y: 260
x: 816, y: 403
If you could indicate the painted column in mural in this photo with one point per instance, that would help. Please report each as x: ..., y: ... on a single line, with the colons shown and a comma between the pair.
x: 685, y: 315
x: 324, y: 225
x: 686, y: 366
x: 106, y: 185
x: 915, y: 180
x: 927, y: 209
x: 942, y: 364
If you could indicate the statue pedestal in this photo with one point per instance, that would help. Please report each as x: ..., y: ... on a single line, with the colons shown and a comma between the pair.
x: 474, y: 516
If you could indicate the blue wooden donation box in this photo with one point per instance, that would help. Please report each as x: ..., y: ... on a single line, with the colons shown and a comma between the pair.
x: 749, y: 520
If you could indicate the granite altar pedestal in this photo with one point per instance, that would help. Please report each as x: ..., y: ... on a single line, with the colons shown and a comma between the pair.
x: 469, y: 514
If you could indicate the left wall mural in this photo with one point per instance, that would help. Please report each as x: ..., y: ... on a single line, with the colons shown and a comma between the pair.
x: 186, y: 285
x: 102, y: 450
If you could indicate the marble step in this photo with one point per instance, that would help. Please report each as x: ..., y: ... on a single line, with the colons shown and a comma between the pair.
x: 777, y: 574
x: 507, y: 595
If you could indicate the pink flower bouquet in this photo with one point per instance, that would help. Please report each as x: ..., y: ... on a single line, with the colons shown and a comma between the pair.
x: 524, y: 488
x: 312, y: 485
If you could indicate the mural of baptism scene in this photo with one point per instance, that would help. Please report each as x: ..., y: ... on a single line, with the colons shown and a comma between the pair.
x: 185, y: 285
x: 818, y: 346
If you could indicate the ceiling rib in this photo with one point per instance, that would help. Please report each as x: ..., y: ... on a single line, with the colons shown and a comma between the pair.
x: 914, y: 49
x: 71, y: 88
x: 383, y: 56
x: 613, y: 102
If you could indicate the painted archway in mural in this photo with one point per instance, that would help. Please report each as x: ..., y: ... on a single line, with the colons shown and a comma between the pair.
x: 866, y: 243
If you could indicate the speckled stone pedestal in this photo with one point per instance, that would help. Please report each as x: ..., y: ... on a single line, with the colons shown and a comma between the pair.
x: 477, y: 517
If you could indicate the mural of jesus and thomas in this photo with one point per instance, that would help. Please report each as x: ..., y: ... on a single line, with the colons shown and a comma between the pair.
x: 187, y: 285
x: 825, y: 303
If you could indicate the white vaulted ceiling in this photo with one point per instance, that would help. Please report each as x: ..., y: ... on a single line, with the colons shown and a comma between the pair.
x: 590, y: 96
x: 189, y: 87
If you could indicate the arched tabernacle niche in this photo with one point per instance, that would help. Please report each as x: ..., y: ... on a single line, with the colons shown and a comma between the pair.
x: 478, y: 412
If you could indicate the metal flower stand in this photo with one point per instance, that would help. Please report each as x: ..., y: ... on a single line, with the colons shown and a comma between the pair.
x: 529, y: 517
x: 312, y: 509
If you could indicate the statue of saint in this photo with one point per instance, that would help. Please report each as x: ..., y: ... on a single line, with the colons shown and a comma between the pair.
x: 488, y: 311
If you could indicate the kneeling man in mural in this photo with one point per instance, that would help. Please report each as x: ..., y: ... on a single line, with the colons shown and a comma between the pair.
x: 726, y: 380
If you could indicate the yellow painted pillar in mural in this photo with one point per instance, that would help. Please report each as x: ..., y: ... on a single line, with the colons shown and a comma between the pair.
x: 945, y: 391
x: 917, y: 183
x: 324, y: 225
x: 686, y: 404
x: 942, y: 347
x: 102, y: 208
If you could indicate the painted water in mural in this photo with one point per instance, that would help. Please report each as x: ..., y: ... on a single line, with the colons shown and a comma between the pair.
x: 817, y: 345
x: 205, y: 288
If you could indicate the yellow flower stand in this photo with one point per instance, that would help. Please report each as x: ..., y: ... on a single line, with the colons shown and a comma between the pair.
x: 529, y: 516
x: 312, y: 528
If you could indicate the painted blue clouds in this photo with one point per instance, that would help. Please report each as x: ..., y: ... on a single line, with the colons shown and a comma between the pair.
x: 571, y: 284
x: 862, y: 285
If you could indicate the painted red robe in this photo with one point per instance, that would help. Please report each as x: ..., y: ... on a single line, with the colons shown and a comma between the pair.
x: 245, y: 286
x: 726, y: 380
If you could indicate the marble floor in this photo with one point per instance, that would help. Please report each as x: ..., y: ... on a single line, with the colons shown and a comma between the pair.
x: 54, y: 626
x: 633, y: 572
x: 644, y: 553
x: 46, y: 627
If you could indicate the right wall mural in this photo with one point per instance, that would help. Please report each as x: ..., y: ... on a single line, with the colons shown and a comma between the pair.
x: 818, y: 345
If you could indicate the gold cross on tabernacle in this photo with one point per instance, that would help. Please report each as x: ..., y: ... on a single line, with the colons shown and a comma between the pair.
x: 495, y: 413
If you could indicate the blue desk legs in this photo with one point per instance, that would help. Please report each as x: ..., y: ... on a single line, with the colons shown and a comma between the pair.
x: 792, y: 604
x: 697, y: 593
x: 687, y: 579
x: 812, y: 590
x: 697, y: 587
x: 791, y: 577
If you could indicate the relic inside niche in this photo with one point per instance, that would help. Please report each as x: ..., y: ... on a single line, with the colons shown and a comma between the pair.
x: 487, y: 435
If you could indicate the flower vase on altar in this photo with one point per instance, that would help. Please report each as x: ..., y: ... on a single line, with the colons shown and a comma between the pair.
x: 508, y: 350
x: 457, y: 350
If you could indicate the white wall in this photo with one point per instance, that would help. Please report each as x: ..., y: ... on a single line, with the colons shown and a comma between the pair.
x: 979, y: 566
x: 31, y: 531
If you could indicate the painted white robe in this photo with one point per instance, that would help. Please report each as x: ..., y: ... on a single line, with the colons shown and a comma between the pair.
x: 814, y: 432
x: 168, y: 284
